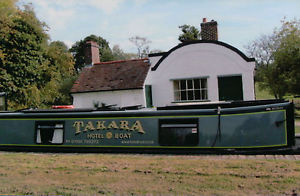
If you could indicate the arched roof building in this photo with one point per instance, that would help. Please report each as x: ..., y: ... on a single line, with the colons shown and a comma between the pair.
x: 192, y: 72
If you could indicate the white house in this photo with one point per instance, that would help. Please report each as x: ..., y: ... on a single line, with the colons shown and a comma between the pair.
x: 199, y: 71
x: 118, y: 83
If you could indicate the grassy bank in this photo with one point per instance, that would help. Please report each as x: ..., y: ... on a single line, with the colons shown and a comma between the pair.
x: 106, y: 174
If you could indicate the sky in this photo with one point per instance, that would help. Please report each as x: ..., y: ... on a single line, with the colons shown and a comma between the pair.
x: 239, y: 21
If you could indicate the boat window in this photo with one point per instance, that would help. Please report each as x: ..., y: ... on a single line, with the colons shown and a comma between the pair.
x: 178, y: 132
x: 49, y: 133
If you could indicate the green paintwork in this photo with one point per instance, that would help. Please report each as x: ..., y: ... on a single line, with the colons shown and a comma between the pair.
x: 148, y: 96
x: 255, y: 128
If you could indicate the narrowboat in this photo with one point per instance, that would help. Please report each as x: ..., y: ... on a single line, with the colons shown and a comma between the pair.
x: 248, y: 126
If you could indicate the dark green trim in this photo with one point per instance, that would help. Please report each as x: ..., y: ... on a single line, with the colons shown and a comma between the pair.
x: 130, y: 117
x: 148, y: 96
x: 166, y: 147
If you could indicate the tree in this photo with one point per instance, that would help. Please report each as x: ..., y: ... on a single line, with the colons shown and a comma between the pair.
x: 7, y: 8
x: 60, y: 75
x: 142, y: 44
x: 78, y: 50
x: 189, y: 33
x: 119, y: 54
x: 277, y: 57
x: 287, y: 56
x: 32, y: 71
x: 23, y: 62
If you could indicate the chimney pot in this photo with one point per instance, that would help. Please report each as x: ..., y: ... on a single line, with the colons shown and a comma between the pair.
x: 209, y: 30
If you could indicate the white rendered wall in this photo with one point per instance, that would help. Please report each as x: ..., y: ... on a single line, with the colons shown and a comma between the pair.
x: 199, y: 60
x: 154, y: 60
x: 122, y: 98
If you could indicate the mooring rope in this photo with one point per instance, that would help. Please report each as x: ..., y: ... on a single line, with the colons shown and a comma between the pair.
x: 218, y: 135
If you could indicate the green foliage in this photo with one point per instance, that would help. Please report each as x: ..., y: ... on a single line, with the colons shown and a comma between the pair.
x: 261, y: 93
x: 60, y: 73
x: 278, y: 58
x: 78, y: 50
x: 23, y: 63
x: 7, y: 8
x: 272, y: 79
x: 189, y: 33
x: 119, y: 54
x: 31, y: 71
x: 287, y: 56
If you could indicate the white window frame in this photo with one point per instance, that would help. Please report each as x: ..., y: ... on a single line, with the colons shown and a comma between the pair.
x: 192, y: 92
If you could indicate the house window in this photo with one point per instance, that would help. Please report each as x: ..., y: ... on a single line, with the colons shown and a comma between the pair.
x: 190, y: 89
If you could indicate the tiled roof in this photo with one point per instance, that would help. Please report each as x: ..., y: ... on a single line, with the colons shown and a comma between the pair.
x: 114, y: 75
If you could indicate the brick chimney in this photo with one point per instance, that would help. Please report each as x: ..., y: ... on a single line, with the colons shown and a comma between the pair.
x: 209, y: 30
x: 91, y: 53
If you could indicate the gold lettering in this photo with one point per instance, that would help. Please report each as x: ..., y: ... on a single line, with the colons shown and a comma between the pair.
x: 90, y: 136
x: 137, y: 126
x: 126, y: 135
x: 124, y: 125
x: 112, y: 125
x: 77, y: 125
x: 95, y: 136
x: 89, y: 126
x: 122, y: 135
x: 101, y: 125
x: 116, y: 135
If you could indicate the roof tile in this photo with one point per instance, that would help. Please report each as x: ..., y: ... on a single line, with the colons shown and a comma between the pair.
x: 113, y: 75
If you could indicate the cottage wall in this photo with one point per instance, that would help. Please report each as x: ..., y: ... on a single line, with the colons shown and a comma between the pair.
x: 122, y: 98
x: 201, y: 60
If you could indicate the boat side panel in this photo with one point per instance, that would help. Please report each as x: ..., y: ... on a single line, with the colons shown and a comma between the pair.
x: 263, y: 129
x: 259, y: 129
x: 17, y: 131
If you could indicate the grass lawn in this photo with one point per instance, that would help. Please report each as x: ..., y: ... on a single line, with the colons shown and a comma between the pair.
x: 297, y: 128
x: 116, y: 174
x: 262, y: 94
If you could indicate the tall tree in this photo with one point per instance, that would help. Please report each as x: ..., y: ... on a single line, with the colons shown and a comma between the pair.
x: 119, y: 54
x: 7, y: 7
x: 78, y: 50
x: 23, y: 40
x: 28, y: 64
x: 287, y: 56
x: 189, y: 33
x: 142, y: 45
x: 60, y: 75
x: 277, y: 58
